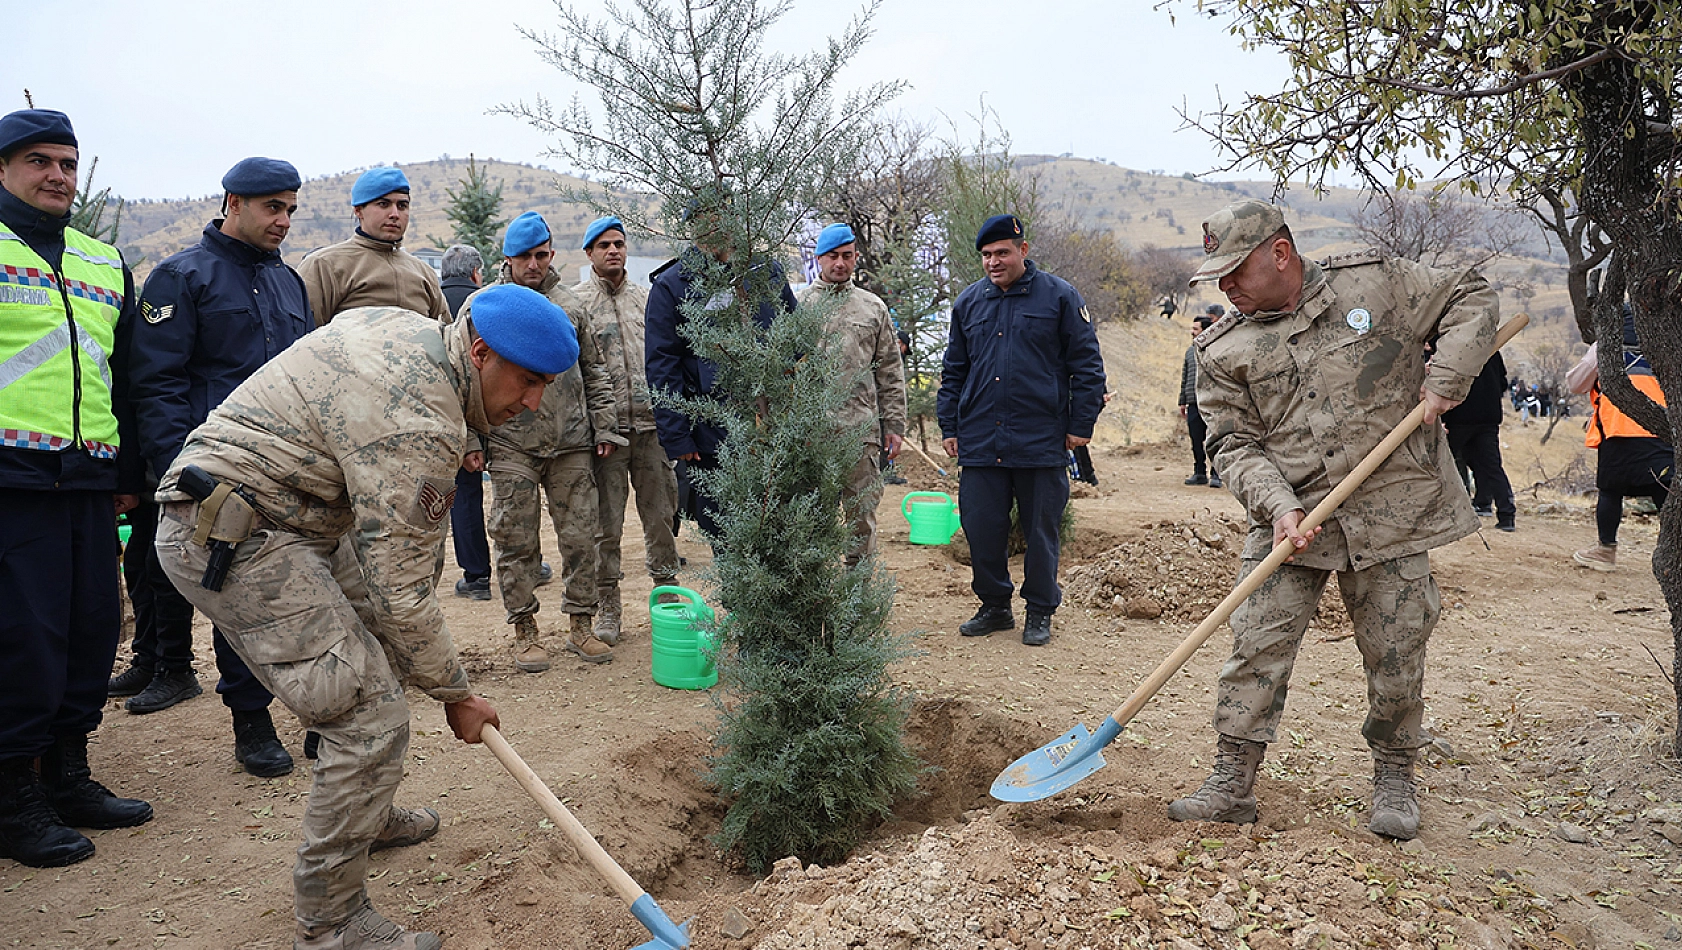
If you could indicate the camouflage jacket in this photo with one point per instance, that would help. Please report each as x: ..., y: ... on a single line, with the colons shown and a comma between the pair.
x: 1295, y: 400
x: 363, y: 272
x: 618, y: 317
x: 868, y: 351
x: 577, y: 408
x: 358, y: 429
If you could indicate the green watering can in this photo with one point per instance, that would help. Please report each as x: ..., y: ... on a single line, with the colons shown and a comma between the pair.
x: 684, y: 652
x: 933, y: 516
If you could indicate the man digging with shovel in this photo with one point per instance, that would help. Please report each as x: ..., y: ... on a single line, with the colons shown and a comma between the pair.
x: 1316, y: 364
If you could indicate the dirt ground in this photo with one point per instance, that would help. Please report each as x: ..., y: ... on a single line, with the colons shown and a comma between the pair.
x: 1548, y: 821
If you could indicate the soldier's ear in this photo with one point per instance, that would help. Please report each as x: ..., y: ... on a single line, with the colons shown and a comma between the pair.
x: 479, y: 353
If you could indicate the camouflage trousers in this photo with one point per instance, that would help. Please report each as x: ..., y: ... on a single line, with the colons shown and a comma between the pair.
x: 1393, y: 605
x: 297, y: 612
x: 642, y: 466
x: 859, y: 498
x: 516, y: 524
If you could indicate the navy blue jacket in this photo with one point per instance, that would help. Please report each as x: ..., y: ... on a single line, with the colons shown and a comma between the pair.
x: 1022, y: 370
x: 671, y: 364
x: 210, y: 316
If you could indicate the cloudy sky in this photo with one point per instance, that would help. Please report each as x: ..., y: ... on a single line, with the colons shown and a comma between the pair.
x: 170, y: 93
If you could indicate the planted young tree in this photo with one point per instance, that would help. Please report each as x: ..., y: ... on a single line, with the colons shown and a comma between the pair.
x: 88, y: 208
x: 695, y: 111
x: 1539, y: 98
x: 472, y: 211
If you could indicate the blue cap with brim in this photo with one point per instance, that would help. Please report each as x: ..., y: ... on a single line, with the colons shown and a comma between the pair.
x: 524, y: 233
x: 832, y: 237
x: 377, y: 183
x: 601, y: 226
x: 1000, y: 227
x: 261, y: 176
x: 525, y: 328
x: 33, y: 126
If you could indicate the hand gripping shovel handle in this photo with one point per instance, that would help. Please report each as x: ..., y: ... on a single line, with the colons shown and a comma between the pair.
x: 1069, y: 756
x: 666, y: 934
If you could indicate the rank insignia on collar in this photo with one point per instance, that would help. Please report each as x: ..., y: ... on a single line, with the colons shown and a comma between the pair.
x: 1359, y: 320
x: 156, y: 314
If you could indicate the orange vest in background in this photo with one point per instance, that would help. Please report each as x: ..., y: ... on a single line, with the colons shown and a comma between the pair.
x: 1610, y: 422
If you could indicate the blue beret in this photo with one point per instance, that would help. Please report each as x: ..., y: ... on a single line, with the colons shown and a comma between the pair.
x: 377, y: 183
x: 29, y: 126
x: 523, y: 327
x: 1000, y: 227
x: 524, y: 233
x: 601, y: 226
x: 832, y: 237
x: 261, y: 176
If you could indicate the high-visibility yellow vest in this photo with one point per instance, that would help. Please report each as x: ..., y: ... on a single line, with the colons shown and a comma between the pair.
x: 57, y: 331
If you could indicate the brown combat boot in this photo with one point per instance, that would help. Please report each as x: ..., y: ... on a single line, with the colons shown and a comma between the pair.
x: 608, y: 617
x: 584, y: 643
x: 529, y: 655
x: 1225, y: 795
x: 668, y: 582
x: 1600, y: 557
x: 1395, y: 810
x: 404, y: 827
x: 366, y: 930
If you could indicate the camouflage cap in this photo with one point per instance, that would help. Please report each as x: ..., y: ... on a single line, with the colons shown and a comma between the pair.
x: 1232, y: 233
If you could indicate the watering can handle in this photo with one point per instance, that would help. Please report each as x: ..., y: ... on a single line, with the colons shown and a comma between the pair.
x: 905, y: 503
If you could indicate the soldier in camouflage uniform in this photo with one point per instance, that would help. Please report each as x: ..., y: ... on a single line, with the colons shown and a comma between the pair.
x: 354, y: 433
x: 616, y: 306
x: 869, y: 352
x: 550, y: 450
x: 1316, y: 364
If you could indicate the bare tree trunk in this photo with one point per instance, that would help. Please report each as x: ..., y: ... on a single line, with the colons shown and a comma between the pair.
x: 1625, y: 191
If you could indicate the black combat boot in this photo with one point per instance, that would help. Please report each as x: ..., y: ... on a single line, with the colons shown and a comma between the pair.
x: 987, y: 620
x: 256, y: 746
x: 79, y: 800
x: 130, y: 681
x: 30, y: 831
x: 166, y: 689
x: 1036, y: 631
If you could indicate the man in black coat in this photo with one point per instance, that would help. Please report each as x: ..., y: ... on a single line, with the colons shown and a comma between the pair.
x: 673, y: 368
x: 1474, y: 436
x: 1022, y: 384
x: 213, y: 314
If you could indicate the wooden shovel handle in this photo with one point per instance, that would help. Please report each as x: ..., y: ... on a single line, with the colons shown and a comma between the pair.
x: 1284, y: 549
x: 939, y: 468
x: 586, y: 844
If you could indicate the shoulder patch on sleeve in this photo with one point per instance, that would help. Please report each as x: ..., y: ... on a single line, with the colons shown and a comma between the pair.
x: 156, y: 314
x: 1366, y: 255
x: 431, y: 505
x: 1218, y: 329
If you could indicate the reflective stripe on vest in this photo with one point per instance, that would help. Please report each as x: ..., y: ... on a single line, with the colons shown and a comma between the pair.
x: 54, y: 394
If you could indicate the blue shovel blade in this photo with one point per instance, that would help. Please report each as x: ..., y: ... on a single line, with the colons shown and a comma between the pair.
x: 1055, y: 766
x: 667, y: 935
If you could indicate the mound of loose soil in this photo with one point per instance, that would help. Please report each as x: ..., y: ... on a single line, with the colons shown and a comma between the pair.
x: 1175, y: 570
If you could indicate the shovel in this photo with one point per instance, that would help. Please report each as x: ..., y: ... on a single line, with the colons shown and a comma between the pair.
x: 667, y: 935
x: 1076, y: 754
x: 919, y: 450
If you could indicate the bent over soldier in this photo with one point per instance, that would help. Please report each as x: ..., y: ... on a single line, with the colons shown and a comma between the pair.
x: 1315, y: 366
x: 355, y: 433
